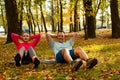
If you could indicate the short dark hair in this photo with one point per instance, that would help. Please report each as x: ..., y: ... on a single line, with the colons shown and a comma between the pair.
x: 61, y: 31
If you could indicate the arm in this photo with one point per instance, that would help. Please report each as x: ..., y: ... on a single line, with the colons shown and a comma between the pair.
x: 72, y: 35
x: 36, y: 39
x: 15, y: 38
x: 49, y: 36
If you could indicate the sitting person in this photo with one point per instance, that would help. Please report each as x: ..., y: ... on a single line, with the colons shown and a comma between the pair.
x: 64, y: 52
x: 25, y: 45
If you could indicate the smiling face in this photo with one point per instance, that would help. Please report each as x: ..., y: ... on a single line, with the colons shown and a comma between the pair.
x: 61, y: 36
x: 26, y: 37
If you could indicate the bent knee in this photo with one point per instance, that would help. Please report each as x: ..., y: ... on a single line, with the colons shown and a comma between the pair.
x: 77, y: 50
x: 30, y: 48
x: 64, y: 50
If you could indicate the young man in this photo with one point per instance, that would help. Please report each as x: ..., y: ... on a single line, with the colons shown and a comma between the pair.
x: 64, y: 52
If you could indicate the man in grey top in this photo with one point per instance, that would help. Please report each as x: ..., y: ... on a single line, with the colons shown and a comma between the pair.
x: 64, y: 53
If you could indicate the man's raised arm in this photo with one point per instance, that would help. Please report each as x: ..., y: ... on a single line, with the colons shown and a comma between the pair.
x: 73, y: 35
x: 49, y: 36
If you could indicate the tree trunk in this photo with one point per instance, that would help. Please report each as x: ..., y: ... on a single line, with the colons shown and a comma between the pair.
x: 21, y: 15
x: 90, y: 19
x: 29, y: 21
x: 32, y: 19
x: 12, y: 19
x: 58, y: 13
x: 75, y: 17
x: 37, y: 23
x: 102, y: 21
x: 52, y: 17
x: 61, y: 16
x: 85, y: 28
x: 43, y: 19
x: 71, y: 24
x: 115, y: 19
x: 71, y: 21
x: 79, y: 26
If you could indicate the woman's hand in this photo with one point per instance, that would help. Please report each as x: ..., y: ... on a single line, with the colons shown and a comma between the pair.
x: 21, y: 38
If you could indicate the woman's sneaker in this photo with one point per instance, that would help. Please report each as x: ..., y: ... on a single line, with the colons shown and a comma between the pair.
x: 36, y: 63
x: 17, y: 60
x: 91, y: 63
x: 76, y: 65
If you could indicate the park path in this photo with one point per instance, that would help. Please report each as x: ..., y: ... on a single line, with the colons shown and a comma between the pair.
x: 2, y: 35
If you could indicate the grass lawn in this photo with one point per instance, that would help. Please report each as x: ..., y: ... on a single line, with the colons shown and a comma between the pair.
x: 105, y: 49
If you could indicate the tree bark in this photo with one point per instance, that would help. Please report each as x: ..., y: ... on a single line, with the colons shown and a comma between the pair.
x: 115, y: 19
x: 71, y: 21
x: 29, y: 21
x: 21, y: 15
x: 90, y: 19
x: 43, y: 19
x: 75, y: 17
x: 12, y: 19
x: 52, y: 17
x: 61, y: 17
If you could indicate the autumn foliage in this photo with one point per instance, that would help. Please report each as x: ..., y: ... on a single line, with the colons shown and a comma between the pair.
x: 105, y: 49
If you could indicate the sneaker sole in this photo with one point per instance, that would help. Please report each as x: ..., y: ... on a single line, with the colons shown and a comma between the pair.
x: 77, y: 65
x: 94, y: 62
x: 17, y: 60
x: 37, y: 62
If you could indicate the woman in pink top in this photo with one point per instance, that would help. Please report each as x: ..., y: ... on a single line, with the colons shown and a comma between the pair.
x: 25, y: 45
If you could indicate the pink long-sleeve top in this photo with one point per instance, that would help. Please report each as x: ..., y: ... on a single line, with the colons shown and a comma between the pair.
x: 26, y: 45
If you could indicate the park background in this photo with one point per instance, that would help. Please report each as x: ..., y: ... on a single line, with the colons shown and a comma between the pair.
x: 96, y: 21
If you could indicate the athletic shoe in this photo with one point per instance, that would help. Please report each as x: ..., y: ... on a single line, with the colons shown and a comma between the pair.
x: 17, y: 60
x: 36, y: 63
x: 76, y: 65
x: 91, y: 63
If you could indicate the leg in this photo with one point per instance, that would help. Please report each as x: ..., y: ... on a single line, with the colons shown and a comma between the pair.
x: 32, y: 53
x: 90, y: 63
x: 26, y: 59
x: 80, y: 53
x: 21, y: 52
x: 66, y: 55
x: 34, y: 57
x: 18, y: 57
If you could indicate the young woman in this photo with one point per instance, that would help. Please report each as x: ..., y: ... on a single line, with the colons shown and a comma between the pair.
x: 25, y: 45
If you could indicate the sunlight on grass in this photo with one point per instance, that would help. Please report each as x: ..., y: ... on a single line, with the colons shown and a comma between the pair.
x: 93, y: 48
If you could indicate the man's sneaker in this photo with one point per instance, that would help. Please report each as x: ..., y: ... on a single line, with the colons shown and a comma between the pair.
x: 17, y: 60
x: 77, y: 65
x: 36, y: 63
x: 91, y: 63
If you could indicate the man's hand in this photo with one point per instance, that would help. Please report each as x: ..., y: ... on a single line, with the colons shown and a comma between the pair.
x: 75, y: 35
x: 49, y: 36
